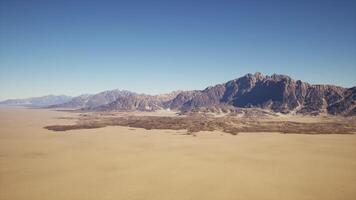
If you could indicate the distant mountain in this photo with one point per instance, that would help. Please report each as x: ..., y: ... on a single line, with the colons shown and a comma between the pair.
x: 278, y: 93
x: 37, y: 101
x: 94, y: 100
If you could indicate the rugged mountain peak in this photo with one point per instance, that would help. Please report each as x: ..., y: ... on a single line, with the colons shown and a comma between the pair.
x: 256, y: 76
x: 279, y: 93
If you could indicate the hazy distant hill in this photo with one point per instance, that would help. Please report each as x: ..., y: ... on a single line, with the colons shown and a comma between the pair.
x: 38, y: 101
x: 95, y: 100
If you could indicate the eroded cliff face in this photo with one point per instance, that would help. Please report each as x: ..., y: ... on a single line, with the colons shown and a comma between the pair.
x: 345, y: 105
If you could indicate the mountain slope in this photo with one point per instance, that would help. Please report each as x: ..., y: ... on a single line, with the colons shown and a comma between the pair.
x: 141, y: 102
x: 347, y: 104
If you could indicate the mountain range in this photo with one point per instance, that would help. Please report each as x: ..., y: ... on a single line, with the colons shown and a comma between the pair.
x: 277, y: 93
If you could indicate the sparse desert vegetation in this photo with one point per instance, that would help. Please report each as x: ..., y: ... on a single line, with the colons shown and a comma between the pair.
x: 195, y: 122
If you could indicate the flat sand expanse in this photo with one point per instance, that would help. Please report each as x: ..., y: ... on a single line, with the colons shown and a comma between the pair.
x: 127, y: 163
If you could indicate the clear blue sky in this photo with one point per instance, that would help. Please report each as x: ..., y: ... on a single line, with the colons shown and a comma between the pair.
x: 74, y: 47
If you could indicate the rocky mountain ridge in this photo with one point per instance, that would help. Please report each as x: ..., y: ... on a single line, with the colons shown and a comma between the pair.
x: 275, y: 93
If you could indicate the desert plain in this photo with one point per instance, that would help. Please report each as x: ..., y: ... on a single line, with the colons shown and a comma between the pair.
x: 130, y: 163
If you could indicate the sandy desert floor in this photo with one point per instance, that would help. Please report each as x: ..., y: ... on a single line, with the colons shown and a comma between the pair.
x: 131, y: 163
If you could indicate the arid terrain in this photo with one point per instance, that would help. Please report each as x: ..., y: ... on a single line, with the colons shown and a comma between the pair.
x: 252, y: 120
x: 134, y: 156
